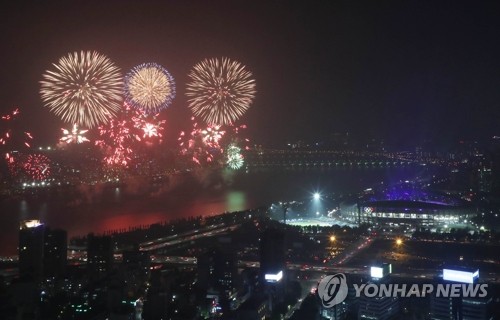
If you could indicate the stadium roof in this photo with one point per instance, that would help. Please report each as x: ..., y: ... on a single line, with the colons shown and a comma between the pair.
x: 409, y: 204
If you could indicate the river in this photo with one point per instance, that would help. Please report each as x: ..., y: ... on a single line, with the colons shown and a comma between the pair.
x: 99, y: 208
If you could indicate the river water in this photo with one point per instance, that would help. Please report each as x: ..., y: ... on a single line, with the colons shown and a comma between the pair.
x: 102, y: 208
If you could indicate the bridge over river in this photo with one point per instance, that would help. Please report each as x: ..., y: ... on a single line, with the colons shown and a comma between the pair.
x: 322, y: 158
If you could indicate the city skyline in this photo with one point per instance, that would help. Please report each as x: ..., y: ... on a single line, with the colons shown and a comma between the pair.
x: 249, y: 160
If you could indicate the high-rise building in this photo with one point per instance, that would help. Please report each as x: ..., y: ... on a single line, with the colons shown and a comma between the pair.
x: 337, y: 312
x: 477, y: 308
x: 31, y: 243
x: 443, y: 308
x: 99, y: 254
x: 272, y: 255
x: 42, y: 251
x: 55, y: 253
x: 217, y: 270
x: 136, y: 260
x: 273, y: 265
x: 458, y: 308
x: 253, y: 308
x: 495, y: 164
x: 380, y: 308
x: 217, y: 277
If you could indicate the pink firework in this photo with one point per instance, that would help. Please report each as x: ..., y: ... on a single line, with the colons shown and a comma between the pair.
x: 120, y: 137
x: 11, y: 115
x: 37, y: 167
x: 238, y: 136
x: 201, y: 144
x: 114, y: 138
x: 148, y: 126
x: 7, y: 135
x: 205, y: 144
x: 212, y: 135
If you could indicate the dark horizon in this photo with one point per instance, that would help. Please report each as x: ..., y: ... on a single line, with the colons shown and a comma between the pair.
x: 403, y: 72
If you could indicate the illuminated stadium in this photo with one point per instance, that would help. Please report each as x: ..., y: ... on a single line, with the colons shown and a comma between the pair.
x: 415, y: 208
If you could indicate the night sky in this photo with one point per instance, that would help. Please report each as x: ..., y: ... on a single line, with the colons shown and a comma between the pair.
x: 404, y: 71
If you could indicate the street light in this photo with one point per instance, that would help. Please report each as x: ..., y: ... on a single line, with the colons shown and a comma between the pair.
x: 316, y: 196
x: 332, y: 238
x: 399, y: 242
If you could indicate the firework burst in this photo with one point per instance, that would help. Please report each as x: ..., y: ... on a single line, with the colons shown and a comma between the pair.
x: 85, y: 89
x: 115, y: 138
x: 146, y: 126
x: 234, y: 158
x: 150, y: 130
x: 74, y: 135
x: 220, y: 91
x: 11, y: 115
x: 120, y: 137
x: 8, y: 133
x: 37, y: 167
x: 204, y: 144
x: 201, y: 144
x: 212, y: 135
x: 149, y: 87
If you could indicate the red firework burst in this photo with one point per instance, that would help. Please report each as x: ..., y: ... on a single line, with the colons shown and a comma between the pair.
x: 201, y: 144
x: 37, y: 167
x: 205, y: 144
x: 120, y: 137
x: 8, y: 133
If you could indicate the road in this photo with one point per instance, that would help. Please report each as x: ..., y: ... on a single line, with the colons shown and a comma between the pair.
x: 175, y: 240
